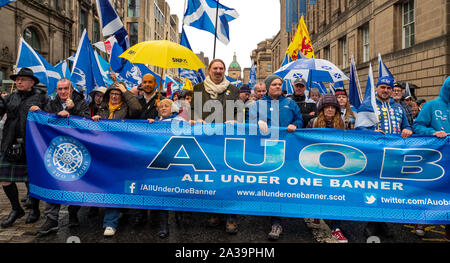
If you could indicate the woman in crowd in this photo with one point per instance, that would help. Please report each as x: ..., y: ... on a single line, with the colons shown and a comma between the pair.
x: 314, y: 94
x: 347, y: 114
x: 287, y: 115
x: 167, y: 111
x: 329, y: 117
x: 118, y: 103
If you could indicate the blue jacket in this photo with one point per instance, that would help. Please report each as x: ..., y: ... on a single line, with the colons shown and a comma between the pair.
x: 288, y: 112
x: 434, y: 115
x: 392, y: 117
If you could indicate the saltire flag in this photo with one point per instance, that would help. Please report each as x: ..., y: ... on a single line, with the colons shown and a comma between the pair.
x: 130, y: 73
x: 111, y: 23
x: 85, y: 74
x: 201, y: 14
x: 354, y: 90
x: 301, y: 45
x: 367, y: 116
x: 234, y: 82
x: 318, y: 85
x: 383, y: 71
x: 194, y: 76
x: 63, y: 69
x: 6, y: 2
x: 103, y: 66
x: 252, y: 78
x: 28, y: 58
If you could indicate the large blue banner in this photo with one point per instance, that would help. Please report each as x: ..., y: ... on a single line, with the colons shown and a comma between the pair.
x: 312, y: 173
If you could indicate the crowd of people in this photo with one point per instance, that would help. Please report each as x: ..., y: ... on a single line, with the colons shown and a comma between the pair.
x: 400, y: 114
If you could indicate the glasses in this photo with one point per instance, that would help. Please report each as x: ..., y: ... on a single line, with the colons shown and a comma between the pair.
x: 115, y: 94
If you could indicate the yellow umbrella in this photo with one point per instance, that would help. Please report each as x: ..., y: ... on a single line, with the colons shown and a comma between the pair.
x: 164, y: 54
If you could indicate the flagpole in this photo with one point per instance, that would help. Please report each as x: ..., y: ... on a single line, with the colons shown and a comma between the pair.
x: 215, y: 29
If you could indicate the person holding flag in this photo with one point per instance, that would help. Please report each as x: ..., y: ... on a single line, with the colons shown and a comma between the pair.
x: 391, y: 118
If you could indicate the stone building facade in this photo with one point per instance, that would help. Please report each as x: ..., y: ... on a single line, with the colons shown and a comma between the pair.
x: 412, y: 37
x: 54, y: 27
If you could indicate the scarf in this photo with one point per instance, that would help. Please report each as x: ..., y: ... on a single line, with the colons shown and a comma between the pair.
x: 214, y: 89
x: 112, y: 109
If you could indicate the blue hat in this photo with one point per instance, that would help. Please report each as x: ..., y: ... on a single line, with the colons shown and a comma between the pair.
x: 386, y: 80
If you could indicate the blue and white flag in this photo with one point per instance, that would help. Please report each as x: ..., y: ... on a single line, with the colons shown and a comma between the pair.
x: 201, y: 14
x: 407, y: 91
x: 383, y: 71
x: 103, y: 66
x: 235, y: 82
x: 5, y: 2
x: 194, y: 76
x: 63, y: 69
x: 252, y: 79
x: 111, y: 23
x: 28, y: 58
x: 354, y: 90
x: 367, y: 116
x: 85, y: 74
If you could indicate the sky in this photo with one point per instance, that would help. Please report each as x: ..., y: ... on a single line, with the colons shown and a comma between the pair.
x: 258, y: 20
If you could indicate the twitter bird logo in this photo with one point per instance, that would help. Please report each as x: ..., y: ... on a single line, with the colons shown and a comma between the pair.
x: 370, y: 199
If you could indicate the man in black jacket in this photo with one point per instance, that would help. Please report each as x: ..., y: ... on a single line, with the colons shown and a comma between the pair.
x: 307, y: 107
x: 13, y: 166
x: 67, y: 103
x: 148, y: 99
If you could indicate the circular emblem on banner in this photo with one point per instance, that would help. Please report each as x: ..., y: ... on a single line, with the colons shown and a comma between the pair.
x: 67, y: 159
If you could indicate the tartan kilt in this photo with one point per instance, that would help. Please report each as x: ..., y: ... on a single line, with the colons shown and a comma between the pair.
x: 12, y: 172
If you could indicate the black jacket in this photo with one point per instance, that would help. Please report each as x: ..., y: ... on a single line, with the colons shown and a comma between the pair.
x: 149, y: 110
x: 80, y: 109
x: 305, y: 108
x: 16, y: 106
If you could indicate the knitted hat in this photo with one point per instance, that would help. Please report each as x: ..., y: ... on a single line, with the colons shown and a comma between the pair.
x: 340, y: 91
x: 386, y: 80
x: 245, y: 89
x: 270, y: 79
x: 328, y: 100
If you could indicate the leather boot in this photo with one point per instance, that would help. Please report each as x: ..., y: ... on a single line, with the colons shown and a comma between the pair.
x: 12, y: 217
x: 17, y: 212
x: 35, y: 213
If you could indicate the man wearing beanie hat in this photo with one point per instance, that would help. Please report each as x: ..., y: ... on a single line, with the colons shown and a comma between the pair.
x: 308, y: 107
x: 391, y: 119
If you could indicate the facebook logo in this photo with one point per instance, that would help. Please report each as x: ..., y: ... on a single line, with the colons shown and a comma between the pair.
x: 130, y: 187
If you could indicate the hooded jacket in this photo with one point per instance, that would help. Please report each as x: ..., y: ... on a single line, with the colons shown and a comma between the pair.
x: 288, y: 112
x: 434, y: 115
x: 130, y: 109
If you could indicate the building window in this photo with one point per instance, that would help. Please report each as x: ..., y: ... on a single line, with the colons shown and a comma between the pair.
x: 96, y: 32
x: 32, y: 38
x: 327, y: 53
x: 269, y: 67
x: 408, y: 24
x: 343, y: 52
x: 365, y: 43
x: 133, y: 8
x: 133, y: 33
x: 83, y: 21
x: 159, y: 14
